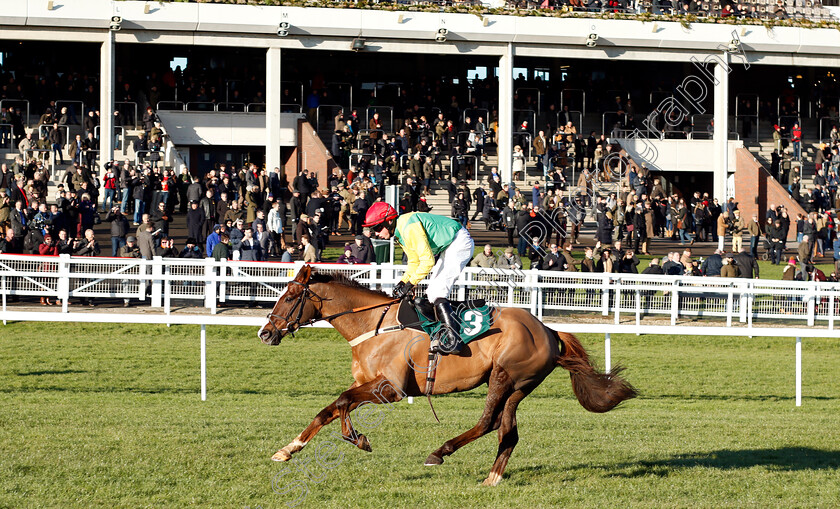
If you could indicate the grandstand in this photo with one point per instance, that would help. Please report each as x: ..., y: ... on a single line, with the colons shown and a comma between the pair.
x: 231, y: 90
x: 392, y: 60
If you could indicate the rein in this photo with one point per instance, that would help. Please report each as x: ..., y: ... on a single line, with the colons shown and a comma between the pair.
x: 308, y: 294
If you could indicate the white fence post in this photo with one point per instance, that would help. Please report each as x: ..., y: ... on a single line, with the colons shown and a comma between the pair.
x: 223, y: 270
x: 63, y: 281
x: 729, y: 307
x: 531, y: 280
x: 798, y: 371
x: 750, y: 303
x: 605, y: 294
x: 742, y: 308
x: 617, y: 293
x: 210, y: 285
x: 638, y: 307
x: 203, y: 362
x: 167, y: 290
x: 675, y: 301
x: 607, y: 352
x: 157, y: 287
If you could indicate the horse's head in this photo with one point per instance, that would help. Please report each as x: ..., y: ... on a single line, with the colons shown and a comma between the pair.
x: 294, y: 307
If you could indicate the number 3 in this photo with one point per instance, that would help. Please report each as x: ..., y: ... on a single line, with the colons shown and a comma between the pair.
x: 473, y: 318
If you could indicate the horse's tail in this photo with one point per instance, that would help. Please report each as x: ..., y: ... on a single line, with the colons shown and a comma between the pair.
x: 596, y: 391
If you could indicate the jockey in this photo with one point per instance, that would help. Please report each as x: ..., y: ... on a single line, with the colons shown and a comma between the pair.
x: 422, y: 237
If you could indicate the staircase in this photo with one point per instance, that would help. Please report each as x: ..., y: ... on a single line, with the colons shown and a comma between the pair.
x: 763, y: 150
x: 57, y: 171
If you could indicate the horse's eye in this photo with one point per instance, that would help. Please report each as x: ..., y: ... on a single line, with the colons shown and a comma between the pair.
x: 289, y: 299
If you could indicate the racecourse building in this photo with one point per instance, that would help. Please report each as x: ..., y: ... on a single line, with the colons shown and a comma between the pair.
x: 685, y: 93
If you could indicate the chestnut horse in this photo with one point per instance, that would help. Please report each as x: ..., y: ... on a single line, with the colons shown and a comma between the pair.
x: 513, y: 358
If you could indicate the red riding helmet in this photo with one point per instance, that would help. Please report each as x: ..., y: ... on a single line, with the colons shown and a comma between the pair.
x: 378, y: 213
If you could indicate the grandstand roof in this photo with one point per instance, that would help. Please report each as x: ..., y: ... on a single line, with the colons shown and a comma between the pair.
x: 215, y: 24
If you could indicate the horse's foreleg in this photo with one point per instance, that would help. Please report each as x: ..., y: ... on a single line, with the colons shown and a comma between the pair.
x: 498, y: 391
x: 324, y: 417
x: 379, y: 390
x: 508, y: 437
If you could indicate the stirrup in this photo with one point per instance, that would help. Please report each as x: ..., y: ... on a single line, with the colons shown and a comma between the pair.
x: 451, y: 343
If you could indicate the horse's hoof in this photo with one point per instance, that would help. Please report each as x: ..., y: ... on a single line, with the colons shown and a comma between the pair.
x: 492, y: 480
x: 433, y: 460
x: 363, y: 443
x: 281, y: 455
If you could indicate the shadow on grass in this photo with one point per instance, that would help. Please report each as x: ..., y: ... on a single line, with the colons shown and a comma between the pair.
x: 51, y: 372
x: 786, y: 459
x: 731, y: 397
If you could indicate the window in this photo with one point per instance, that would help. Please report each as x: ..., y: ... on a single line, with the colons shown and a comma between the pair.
x: 178, y: 62
x: 542, y: 73
x: 479, y: 73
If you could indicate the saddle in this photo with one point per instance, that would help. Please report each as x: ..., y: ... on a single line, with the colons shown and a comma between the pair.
x: 475, y: 317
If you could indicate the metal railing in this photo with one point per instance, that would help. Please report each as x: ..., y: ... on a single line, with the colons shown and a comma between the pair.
x: 70, y: 103
x: 370, y: 110
x: 748, y: 115
x: 526, y: 143
x: 579, y: 124
x: 345, y: 92
x: 83, y: 155
x: 44, y: 132
x: 169, y: 105
x: 334, y: 110
x: 616, y: 117
x: 230, y: 106
x: 8, y: 139
x: 656, y: 97
x: 140, y: 155
x: 297, y: 85
x: 255, y: 108
x: 208, y: 282
x: 119, y: 132
x: 364, y: 134
x: 12, y: 103
x: 532, y: 89
x: 568, y: 101
x: 129, y: 107
x: 779, y: 105
x: 520, y: 116
x: 826, y: 124
x: 200, y: 106
x: 703, y: 135
x: 474, y: 113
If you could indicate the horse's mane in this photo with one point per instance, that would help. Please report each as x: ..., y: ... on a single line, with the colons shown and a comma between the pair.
x: 341, y: 279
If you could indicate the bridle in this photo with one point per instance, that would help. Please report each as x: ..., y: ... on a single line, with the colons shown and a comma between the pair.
x: 307, y: 294
x: 292, y: 325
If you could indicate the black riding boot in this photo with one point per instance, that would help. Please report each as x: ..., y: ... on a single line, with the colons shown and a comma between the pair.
x: 425, y: 307
x: 450, y: 342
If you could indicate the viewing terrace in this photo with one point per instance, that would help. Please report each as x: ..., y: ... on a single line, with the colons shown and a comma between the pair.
x: 801, y: 13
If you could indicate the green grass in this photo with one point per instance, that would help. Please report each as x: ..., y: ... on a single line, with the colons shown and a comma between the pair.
x: 101, y: 416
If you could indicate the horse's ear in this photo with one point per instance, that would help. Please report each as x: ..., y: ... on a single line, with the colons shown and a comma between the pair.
x: 304, y: 274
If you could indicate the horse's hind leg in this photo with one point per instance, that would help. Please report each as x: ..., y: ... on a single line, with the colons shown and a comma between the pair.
x: 499, y: 388
x: 508, y: 437
x: 378, y: 390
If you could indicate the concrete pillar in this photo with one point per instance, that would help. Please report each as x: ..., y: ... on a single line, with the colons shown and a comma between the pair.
x: 721, y: 134
x: 107, y: 65
x: 505, y: 131
x: 721, y: 131
x: 273, y: 96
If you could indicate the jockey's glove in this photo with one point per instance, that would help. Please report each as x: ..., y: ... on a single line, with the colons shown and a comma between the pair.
x: 402, y: 290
